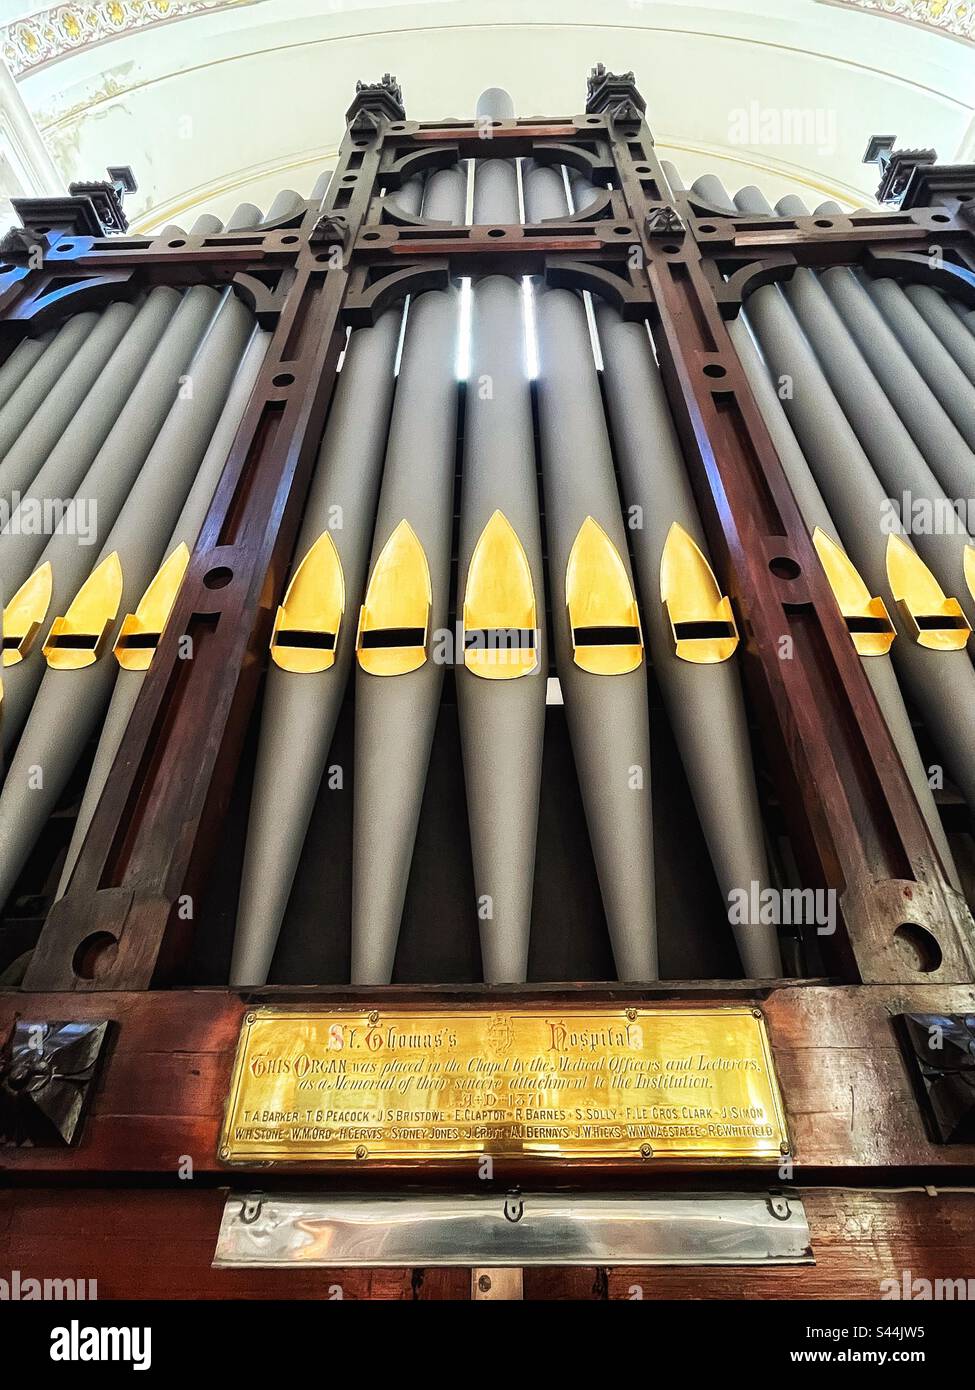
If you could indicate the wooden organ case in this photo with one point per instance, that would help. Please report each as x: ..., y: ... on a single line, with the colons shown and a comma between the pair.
x: 873, y: 1148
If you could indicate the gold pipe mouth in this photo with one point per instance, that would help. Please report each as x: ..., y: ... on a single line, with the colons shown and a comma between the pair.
x: 79, y: 638
x: 394, y: 621
x: 24, y: 614
x: 141, y: 631
x: 701, y: 618
x: 866, y: 617
x: 946, y: 630
x: 500, y: 640
x: 604, y: 620
x: 308, y: 623
x: 933, y: 619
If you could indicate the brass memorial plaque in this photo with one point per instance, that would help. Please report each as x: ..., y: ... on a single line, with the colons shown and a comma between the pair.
x: 534, y: 1082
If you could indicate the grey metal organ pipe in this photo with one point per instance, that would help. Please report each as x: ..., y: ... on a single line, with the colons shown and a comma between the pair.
x: 301, y: 708
x: 19, y: 363
x: 501, y: 694
x: 69, y: 703
x: 110, y: 478
x: 62, y: 472
x: 941, y: 683
x: 396, y: 713
x: 20, y: 465
x: 895, y: 457
x: 944, y: 376
x: 704, y: 702
x: 879, y: 669
x: 608, y: 714
x: 43, y: 378
x: 949, y: 459
x: 128, y: 683
x: 948, y: 327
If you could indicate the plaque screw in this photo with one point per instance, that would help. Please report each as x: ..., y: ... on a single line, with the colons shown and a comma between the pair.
x: 250, y: 1018
x: 756, y: 1013
x: 374, y: 1017
x: 484, y: 1283
x: 224, y: 1153
x: 646, y: 1151
x: 631, y: 1014
x: 361, y: 1151
x: 783, y: 1148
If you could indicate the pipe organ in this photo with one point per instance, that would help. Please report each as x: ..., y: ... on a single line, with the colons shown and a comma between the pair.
x: 508, y: 616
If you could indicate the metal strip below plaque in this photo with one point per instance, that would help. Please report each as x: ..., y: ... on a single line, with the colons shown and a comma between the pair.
x: 531, y: 1229
x: 533, y: 1082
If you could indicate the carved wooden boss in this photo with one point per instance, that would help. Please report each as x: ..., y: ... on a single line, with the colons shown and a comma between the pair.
x: 656, y: 254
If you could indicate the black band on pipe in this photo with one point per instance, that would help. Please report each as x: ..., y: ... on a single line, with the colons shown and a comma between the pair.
x: 313, y: 641
x: 606, y: 636
x: 392, y: 637
x: 702, y: 631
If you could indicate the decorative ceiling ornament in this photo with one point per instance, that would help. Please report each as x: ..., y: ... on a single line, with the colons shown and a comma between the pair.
x: 953, y: 18
x: 59, y: 31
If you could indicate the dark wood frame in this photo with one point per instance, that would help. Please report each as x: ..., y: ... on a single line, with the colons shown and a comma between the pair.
x: 657, y: 254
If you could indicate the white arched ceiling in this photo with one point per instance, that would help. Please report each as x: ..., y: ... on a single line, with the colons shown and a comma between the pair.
x: 214, y: 102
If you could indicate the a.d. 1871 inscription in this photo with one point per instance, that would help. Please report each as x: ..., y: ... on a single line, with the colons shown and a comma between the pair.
x: 531, y: 1082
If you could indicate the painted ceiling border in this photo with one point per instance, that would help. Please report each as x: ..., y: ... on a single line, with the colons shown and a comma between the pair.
x: 43, y: 38
x: 954, y: 19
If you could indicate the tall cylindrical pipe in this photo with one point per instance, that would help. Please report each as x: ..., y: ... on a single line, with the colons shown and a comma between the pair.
x: 941, y: 683
x: 19, y: 363
x: 128, y: 683
x: 206, y: 225
x: 913, y: 406
x: 300, y: 709
x: 501, y: 703
x: 62, y: 472
x: 42, y: 379
x: 23, y: 460
x: 879, y: 669
x: 895, y: 457
x: 496, y: 103
x: 712, y: 190
x: 953, y: 392
x: 608, y: 715
x: 321, y: 185
x: 285, y: 203
x: 964, y: 313
x: 243, y: 218
x: 791, y: 206
x: 704, y: 702
x: 108, y: 481
x: 751, y: 199
x: 396, y: 714
x: 950, y: 330
x: 69, y: 704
